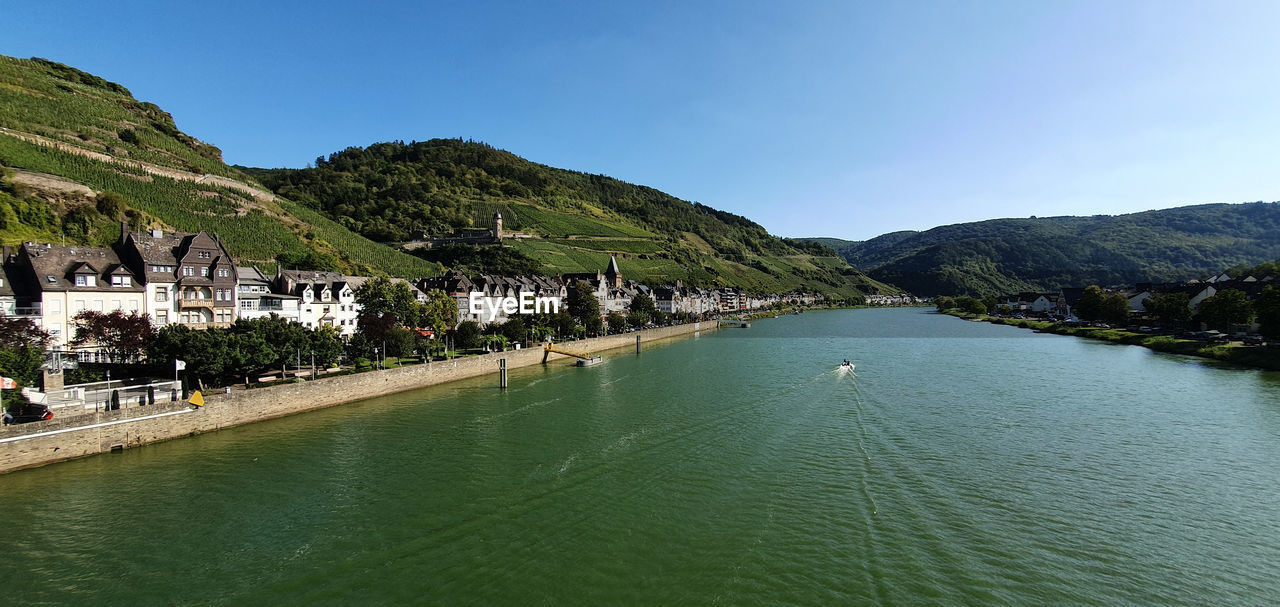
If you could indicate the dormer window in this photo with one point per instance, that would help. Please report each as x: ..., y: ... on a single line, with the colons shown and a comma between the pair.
x: 121, y: 281
x: 204, y: 255
x: 204, y: 271
x: 188, y: 271
x: 86, y: 280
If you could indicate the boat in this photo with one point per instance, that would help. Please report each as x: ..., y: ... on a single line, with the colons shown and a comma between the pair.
x: 591, y: 360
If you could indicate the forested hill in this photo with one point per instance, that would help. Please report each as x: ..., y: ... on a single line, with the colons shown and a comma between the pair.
x: 1007, y: 255
x: 79, y: 155
x: 396, y: 192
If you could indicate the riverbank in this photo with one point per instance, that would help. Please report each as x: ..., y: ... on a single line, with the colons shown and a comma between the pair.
x: 1233, y: 353
x: 40, y: 443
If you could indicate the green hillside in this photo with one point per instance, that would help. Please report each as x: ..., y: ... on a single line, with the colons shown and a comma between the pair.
x: 396, y: 192
x: 79, y: 155
x: 1006, y: 255
x: 62, y: 129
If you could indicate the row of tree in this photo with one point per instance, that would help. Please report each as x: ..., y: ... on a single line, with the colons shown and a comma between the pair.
x: 392, y: 323
x: 1222, y: 311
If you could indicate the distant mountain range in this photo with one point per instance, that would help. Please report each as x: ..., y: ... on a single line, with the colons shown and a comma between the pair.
x: 1003, y: 256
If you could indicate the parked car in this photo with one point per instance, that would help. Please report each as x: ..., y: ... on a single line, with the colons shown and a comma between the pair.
x: 31, y: 412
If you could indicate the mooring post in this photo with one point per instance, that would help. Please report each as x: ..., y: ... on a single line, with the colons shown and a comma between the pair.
x: 502, y: 373
x: 637, y: 343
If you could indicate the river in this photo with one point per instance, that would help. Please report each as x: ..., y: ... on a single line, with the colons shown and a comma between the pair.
x: 960, y: 463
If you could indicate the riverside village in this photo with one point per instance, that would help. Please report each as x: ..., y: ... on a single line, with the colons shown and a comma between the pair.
x: 161, y: 315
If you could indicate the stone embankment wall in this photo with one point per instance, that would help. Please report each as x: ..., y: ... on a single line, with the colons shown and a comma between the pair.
x: 41, y: 443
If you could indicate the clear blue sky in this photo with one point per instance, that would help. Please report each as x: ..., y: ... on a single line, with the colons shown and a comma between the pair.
x: 846, y: 119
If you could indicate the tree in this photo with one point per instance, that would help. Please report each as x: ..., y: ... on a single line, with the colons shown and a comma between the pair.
x: 514, y: 329
x: 583, y: 305
x: 122, y: 336
x: 325, y: 343
x: 1267, y: 307
x: 467, y: 335
x: 617, y: 322
x: 399, y: 342
x: 970, y: 305
x: 1090, y: 305
x: 1169, y: 307
x: 286, y: 340
x: 440, y: 312
x: 1115, y: 309
x: 385, y: 305
x: 643, y: 306
x: 22, y: 346
x: 944, y: 303
x: 1228, y: 307
x: 990, y: 302
x: 564, y: 324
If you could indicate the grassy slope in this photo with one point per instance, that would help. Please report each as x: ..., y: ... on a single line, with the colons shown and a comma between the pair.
x: 77, y: 109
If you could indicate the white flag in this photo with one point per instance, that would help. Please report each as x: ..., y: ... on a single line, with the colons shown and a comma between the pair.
x: 179, y: 365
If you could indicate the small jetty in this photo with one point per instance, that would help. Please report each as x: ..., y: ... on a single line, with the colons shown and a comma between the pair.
x: 584, y: 359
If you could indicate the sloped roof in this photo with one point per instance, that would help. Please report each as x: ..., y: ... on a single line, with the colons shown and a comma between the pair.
x: 55, y: 267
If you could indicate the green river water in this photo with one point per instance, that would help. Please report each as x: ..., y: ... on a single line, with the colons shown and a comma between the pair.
x: 961, y: 464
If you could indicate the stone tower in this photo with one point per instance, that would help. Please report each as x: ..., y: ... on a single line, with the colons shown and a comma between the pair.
x: 497, y: 226
x: 612, y: 275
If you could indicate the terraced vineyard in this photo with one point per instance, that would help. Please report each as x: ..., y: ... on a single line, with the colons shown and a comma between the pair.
x: 345, y: 212
x: 88, y: 114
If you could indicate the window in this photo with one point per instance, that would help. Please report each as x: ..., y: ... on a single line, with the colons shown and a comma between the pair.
x: 203, y: 255
x: 223, y: 273
x: 162, y: 295
x: 80, y: 307
x: 55, y: 329
x: 246, y: 304
x: 97, y: 305
x: 162, y: 317
x: 204, y: 270
x: 188, y: 271
x: 121, y: 281
x: 115, y: 304
x: 86, y: 280
x: 133, y: 305
x: 55, y: 306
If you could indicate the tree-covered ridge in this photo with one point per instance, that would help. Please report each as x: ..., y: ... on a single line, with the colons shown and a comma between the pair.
x: 397, y: 191
x: 79, y: 155
x: 1005, y: 255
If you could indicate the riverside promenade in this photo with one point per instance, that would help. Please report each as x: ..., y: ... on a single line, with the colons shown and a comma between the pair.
x: 42, y: 443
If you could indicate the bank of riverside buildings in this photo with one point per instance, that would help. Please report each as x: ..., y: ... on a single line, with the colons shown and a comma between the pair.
x: 1064, y: 301
x: 192, y: 280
